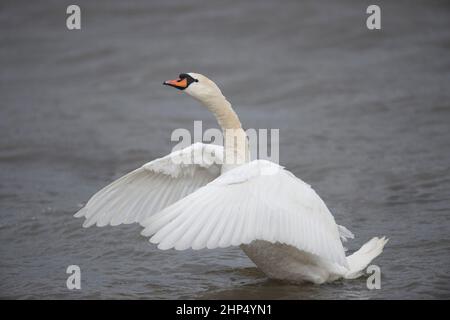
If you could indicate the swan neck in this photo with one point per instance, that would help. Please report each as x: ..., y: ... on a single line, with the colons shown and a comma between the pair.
x: 224, y: 113
x: 236, y: 150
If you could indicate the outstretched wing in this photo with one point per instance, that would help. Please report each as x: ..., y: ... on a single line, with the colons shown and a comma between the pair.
x: 256, y: 201
x: 154, y: 186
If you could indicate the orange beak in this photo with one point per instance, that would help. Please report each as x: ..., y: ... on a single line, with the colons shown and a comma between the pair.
x: 178, y: 83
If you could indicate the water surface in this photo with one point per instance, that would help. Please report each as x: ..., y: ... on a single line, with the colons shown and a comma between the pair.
x: 363, y: 117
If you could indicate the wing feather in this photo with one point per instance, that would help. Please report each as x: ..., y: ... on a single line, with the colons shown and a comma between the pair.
x: 256, y: 201
x: 147, y: 190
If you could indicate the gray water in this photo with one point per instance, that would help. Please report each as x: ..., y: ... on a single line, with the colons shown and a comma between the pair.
x: 363, y: 117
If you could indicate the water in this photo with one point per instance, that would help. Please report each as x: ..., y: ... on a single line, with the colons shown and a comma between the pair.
x: 363, y: 117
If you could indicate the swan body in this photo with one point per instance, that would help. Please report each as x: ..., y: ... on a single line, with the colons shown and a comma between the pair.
x: 208, y: 196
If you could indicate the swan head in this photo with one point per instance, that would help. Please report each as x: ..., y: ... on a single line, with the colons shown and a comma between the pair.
x: 196, y: 85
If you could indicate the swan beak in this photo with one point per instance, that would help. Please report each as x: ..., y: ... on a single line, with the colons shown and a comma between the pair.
x: 180, y: 84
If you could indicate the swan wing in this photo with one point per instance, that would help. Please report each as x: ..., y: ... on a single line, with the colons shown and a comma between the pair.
x: 154, y: 186
x: 256, y: 201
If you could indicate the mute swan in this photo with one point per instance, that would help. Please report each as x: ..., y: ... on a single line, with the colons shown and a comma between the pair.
x: 279, y: 221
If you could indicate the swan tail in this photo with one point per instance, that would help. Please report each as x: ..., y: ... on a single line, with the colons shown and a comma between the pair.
x: 360, y: 259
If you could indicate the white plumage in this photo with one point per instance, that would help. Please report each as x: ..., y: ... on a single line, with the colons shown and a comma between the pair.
x: 256, y: 201
x: 192, y: 198
x: 154, y: 186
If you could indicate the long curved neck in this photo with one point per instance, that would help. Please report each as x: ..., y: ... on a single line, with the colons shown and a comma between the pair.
x: 236, y: 150
x: 224, y: 113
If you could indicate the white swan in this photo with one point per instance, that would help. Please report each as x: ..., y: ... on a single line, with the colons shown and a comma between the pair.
x: 278, y: 220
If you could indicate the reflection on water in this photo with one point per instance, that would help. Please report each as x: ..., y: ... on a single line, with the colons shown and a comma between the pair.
x: 363, y: 118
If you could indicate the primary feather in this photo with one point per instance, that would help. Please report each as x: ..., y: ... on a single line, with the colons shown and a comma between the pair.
x: 154, y: 186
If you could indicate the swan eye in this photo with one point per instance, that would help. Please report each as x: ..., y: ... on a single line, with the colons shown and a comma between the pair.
x: 188, y: 77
